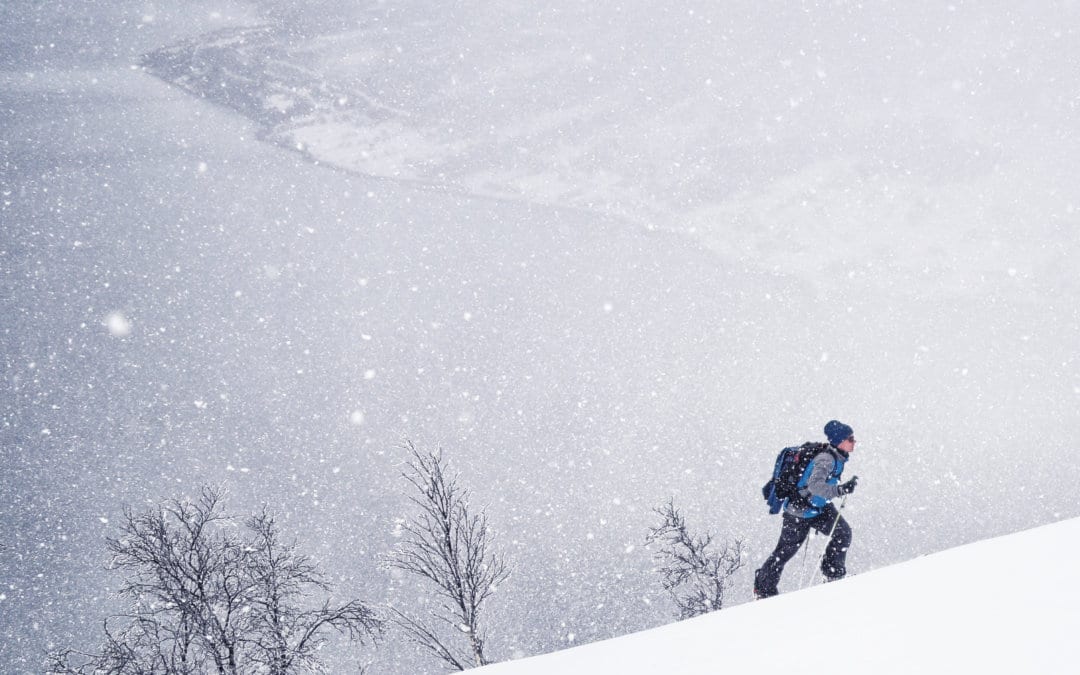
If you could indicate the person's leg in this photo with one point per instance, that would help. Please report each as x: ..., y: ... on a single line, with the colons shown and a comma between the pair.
x: 833, y: 565
x: 792, y: 535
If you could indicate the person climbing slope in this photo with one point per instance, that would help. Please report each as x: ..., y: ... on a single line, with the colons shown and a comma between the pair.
x: 808, y: 504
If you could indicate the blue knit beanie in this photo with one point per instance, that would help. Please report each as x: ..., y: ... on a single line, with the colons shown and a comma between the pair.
x: 837, y: 432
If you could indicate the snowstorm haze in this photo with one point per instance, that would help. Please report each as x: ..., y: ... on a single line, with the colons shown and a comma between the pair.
x: 602, y: 254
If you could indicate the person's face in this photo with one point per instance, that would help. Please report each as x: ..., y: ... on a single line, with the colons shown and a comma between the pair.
x: 847, y: 445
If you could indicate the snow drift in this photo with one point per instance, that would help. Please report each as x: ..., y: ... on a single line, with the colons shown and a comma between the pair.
x: 1004, y: 605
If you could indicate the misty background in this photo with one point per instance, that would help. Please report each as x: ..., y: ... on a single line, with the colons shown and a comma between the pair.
x: 602, y: 254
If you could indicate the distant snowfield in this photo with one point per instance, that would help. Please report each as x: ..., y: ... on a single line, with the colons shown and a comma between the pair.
x: 1004, y: 605
x: 908, y: 136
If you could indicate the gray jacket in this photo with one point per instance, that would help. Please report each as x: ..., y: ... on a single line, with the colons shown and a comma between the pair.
x: 821, y: 486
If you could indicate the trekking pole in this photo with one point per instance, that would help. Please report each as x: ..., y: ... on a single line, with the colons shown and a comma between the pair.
x: 805, y: 557
x: 806, y: 550
x: 835, y: 522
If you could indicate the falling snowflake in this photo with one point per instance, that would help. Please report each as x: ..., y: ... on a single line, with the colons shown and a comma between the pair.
x: 118, y: 324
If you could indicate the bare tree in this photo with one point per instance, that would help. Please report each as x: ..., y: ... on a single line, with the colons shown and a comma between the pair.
x: 695, y: 576
x: 286, y: 637
x: 450, y: 545
x: 203, y: 599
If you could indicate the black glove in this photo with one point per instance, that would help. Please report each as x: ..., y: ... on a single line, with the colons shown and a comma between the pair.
x: 848, y: 487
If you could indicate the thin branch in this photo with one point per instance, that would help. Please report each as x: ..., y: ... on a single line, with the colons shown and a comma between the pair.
x: 422, y: 636
x: 449, y: 545
x: 205, y: 598
x: 695, y: 576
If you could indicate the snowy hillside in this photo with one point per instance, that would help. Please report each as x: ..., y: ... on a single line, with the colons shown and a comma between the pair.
x: 1005, y: 605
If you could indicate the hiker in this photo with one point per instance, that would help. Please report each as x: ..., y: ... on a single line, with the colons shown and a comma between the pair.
x: 810, y: 507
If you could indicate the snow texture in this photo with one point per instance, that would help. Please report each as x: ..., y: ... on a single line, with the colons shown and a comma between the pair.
x: 961, y: 611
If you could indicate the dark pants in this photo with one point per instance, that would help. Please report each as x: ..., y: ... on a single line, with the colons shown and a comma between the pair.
x: 792, y: 536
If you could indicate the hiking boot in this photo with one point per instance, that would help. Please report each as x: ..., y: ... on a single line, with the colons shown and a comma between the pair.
x: 761, y: 589
x: 833, y: 572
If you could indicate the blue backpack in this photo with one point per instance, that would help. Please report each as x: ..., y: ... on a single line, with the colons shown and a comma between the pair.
x: 790, y: 469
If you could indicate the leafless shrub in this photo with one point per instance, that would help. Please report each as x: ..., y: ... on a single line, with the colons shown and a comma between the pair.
x: 204, y: 599
x: 695, y: 576
x: 449, y: 544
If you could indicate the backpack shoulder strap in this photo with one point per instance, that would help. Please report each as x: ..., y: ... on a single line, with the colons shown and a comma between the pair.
x: 812, y: 450
x: 809, y: 452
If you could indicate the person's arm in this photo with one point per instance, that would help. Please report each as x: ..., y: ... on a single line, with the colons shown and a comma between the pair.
x: 818, y: 482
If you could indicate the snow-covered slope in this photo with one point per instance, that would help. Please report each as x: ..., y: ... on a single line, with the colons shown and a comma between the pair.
x: 1004, y: 605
